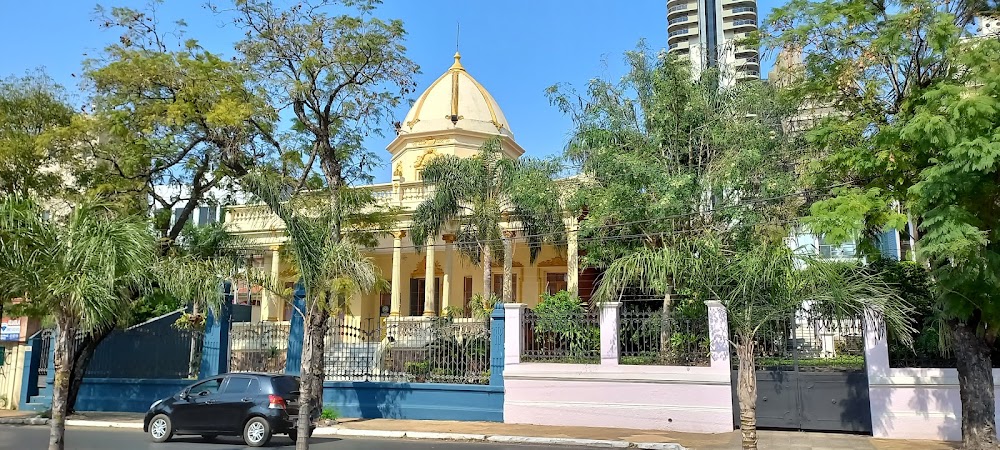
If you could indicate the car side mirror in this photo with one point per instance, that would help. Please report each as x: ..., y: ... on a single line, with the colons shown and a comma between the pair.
x: 183, y: 395
x: 203, y: 393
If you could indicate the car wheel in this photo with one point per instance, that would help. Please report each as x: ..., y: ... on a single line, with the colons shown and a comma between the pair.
x: 160, y: 428
x: 209, y: 437
x: 257, y: 432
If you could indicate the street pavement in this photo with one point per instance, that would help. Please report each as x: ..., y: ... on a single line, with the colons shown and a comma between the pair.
x: 32, y: 438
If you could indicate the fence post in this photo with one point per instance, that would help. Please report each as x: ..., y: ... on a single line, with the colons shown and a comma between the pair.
x: 497, y: 341
x: 296, y: 332
x: 876, y: 346
x: 29, y: 369
x: 215, y: 347
x: 513, y: 336
x: 609, y: 319
x: 718, y: 331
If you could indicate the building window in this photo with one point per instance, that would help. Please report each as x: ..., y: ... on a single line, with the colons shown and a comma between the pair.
x: 555, y: 282
x: 384, y: 304
x: 467, y: 296
x: 498, y: 286
x: 417, y: 298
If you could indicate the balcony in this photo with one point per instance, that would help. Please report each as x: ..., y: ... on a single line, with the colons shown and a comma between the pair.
x: 680, y: 8
x: 746, y: 11
x: 259, y: 218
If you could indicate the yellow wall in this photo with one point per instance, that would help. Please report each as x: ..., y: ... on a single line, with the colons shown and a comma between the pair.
x: 10, y: 376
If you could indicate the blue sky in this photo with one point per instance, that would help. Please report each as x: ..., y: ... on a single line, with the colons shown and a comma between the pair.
x: 515, y: 48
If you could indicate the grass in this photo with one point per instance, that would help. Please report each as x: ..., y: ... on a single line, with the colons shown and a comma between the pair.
x: 838, y: 362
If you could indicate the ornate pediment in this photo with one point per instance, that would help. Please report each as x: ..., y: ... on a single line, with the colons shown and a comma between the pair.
x: 558, y: 261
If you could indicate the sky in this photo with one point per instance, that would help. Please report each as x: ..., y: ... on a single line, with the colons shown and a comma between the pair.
x: 514, y: 48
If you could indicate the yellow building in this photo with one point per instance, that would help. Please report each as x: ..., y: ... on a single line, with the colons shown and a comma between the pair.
x: 454, y: 116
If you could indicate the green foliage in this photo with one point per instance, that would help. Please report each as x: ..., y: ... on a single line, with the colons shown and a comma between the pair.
x: 485, y: 191
x: 481, y: 307
x: 329, y: 413
x: 190, y: 322
x: 562, y: 317
x: 417, y: 369
x: 32, y: 108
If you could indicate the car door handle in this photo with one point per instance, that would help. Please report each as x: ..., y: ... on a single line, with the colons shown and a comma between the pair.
x: 210, y: 402
x: 247, y: 399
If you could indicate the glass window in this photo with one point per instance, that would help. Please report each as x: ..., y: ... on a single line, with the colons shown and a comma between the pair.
x: 498, y: 285
x: 206, y: 387
x: 555, y: 282
x: 240, y: 385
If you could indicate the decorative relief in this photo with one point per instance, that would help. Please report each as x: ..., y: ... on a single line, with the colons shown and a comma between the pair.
x: 425, y: 158
x: 398, y: 171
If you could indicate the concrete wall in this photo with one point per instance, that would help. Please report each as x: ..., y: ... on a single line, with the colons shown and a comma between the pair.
x: 912, y: 403
x: 415, y: 400
x: 688, y: 399
x: 125, y: 394
x: 11, y: 375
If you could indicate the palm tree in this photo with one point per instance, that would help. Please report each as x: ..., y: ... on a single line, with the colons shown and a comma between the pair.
x: 75, y: 268
x: 330, y: 268
x: 482, y: 193
x: 766, y: 282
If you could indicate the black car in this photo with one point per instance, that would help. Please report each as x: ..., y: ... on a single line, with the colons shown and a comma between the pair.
x: 254, y: 405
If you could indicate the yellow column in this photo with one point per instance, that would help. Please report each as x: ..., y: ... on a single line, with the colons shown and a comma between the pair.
x: 572, y: 260
x: 397, y: 282
x: 446, y: 295
x: 270, y: 308
x: 429, y: 310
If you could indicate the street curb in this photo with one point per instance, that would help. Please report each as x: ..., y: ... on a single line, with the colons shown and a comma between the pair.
x: 23, y: 421
x: 388, y: 434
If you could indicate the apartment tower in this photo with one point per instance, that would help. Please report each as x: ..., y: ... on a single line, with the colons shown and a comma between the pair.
x: 708, y: 33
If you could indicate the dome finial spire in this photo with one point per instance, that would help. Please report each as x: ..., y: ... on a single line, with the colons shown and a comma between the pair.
x: 457, y: 65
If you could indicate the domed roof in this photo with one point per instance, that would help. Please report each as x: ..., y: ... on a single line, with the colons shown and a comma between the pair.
x: 456, y: 101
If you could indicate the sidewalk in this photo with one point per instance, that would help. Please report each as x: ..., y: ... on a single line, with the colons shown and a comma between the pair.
x: 501, y: 432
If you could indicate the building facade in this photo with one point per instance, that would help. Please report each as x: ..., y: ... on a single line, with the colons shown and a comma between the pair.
x: 455, y: 115
x: 708, y: 33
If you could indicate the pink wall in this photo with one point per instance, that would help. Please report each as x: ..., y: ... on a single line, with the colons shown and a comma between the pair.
x: 910, y: 403
x: 918, y: 404
x: 689, y: 399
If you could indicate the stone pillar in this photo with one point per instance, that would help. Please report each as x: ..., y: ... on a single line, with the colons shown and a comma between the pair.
x: 271, y: 307
x: 572, y: 260
x: 215, y: 345
x: 508, y: 258
x: 497, y: 343
x: 609, y: 333
x: 296, y: 332
x: 397, y: 273
x: 429, y: 300
x: 446, y: 294
x: 513, y: 332
x: 718, y: 335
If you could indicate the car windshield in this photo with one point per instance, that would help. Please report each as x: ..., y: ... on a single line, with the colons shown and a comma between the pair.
x: 286, y: 385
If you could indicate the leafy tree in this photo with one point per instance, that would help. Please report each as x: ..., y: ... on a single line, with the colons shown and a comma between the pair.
x: 917, y: 136
x: 340, y: 74
x: 30, y: 108
x: 481, y: 193
x: 74, y: 268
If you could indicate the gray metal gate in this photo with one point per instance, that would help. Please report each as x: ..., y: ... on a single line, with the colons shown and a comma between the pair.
x: 811, y: 375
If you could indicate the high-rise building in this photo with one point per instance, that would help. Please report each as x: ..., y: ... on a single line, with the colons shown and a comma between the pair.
x: 708, y: 33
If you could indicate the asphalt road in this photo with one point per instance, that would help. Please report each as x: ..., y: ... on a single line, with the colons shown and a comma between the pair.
x: 35, y: 437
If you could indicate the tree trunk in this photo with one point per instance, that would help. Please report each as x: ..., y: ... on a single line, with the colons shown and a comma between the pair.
x: 60, y: 390
x: 975, y: 387
x: 666, y: 326
x: 487, y: 273
x: 311, y: 380
x: 746, y: 392
x: 508, y: 256
x: 194, y: 358
x: 80, y: 361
